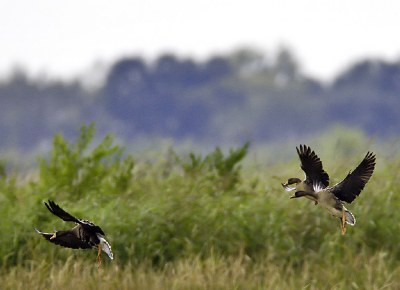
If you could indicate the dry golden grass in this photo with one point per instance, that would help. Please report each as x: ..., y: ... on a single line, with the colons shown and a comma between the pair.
x: 360, y: 272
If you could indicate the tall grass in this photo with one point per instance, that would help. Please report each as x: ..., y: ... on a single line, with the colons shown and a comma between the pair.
x: 239, y: 272
x: 196, y: 221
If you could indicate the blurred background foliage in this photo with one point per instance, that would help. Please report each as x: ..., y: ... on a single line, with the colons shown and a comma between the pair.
x: 224, y: 99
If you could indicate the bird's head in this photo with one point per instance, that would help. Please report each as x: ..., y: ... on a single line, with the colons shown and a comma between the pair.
x: 293, y: 180
x: 298, y: 194
x: 289, y: 182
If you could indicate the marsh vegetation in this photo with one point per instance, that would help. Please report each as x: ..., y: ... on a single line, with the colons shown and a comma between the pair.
x: 215, y: 220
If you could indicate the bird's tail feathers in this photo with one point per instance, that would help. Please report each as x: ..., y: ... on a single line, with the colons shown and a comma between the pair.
x: 350, y: 219
x: 105, y: 246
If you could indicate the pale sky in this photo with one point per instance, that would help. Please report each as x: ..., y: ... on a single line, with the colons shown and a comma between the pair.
x: 64, y: 38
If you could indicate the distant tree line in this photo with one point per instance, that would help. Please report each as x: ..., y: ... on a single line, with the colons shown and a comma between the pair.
x: 245, y: 95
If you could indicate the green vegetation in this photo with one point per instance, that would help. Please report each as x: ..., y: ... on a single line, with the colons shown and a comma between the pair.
x: 191, y: 221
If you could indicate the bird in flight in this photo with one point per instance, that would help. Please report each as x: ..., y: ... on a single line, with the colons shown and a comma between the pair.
x: 333, y: 198
x: 85, y: 235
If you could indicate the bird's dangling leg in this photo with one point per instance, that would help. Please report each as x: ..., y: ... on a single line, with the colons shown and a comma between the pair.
x: 343, y: 223
x: 99, y: 257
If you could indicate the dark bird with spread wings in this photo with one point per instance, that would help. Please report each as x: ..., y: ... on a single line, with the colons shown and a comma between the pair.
x: 314, y: 173
x: 332, y: 198
x: 85, y: 235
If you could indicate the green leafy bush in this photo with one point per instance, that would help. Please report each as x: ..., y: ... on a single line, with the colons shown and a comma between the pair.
x: 223, y: 170
x: 79, y: 169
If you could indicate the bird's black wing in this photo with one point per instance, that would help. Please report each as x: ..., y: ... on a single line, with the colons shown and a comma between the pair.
x: 69, y: 240
x: 312, y: 166
x: 62, y: 214
x: 350, y: 187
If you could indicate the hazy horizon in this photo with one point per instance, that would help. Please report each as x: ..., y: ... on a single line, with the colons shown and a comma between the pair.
x: 64, y: 39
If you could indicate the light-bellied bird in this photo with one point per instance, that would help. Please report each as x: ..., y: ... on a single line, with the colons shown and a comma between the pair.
x: 332, y: 198
x: 315, y: 175
x: 85, y: 235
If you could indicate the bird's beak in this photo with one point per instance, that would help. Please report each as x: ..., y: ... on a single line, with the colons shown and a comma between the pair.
x: 53, y: 236
x: 285, y: 184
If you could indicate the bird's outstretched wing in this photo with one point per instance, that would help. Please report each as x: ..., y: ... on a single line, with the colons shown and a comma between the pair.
x: 312, y: 167
x: 62, y: 214
x: 350, y: 187
x: 68, y: 240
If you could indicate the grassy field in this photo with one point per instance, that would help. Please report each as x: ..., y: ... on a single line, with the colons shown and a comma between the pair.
x: 240, y: 272
x: 188, y: 221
